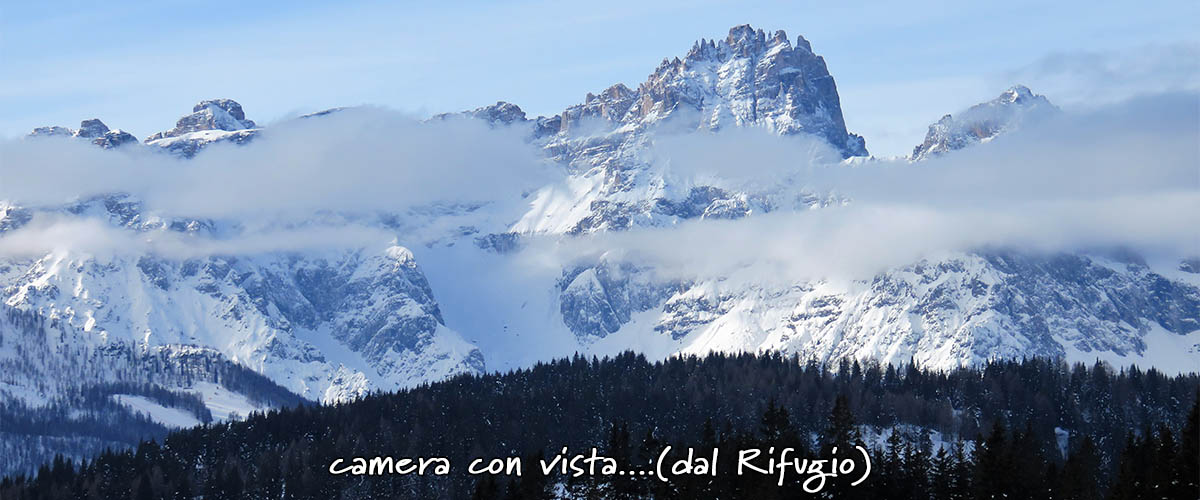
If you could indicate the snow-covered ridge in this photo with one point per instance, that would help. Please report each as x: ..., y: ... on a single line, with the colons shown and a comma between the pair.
x: 329, y: 325
x: 950, y: 311
x: 211, y: 121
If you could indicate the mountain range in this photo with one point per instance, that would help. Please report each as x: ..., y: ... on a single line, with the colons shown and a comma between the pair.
x: 332, y: 325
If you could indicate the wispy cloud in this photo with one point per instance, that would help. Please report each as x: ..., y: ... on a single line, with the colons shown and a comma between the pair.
x: 357, y: 160
x: 90, y: 236
x: 1124, y: 175
x: 1091, y: 78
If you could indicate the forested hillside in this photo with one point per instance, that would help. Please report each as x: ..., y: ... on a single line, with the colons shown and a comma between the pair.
x: 1015, y: 429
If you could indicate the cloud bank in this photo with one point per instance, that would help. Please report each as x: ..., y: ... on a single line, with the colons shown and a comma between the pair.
x: 47, y: 234
x: 1119, y: 175
x: 1125, y: 175
x: 1095, y: 78
x: 356, y: 160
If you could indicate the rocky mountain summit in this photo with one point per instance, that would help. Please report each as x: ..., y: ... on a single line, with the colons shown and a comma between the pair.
x: 983, y: 122
x: 747, y: 79
x: 92, y: 130
x: 211, y: 121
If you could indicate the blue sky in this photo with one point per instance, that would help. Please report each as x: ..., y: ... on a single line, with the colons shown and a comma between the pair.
x: 140, y: 65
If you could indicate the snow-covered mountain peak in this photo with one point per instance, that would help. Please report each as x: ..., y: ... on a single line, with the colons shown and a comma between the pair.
x: 747, y: 79
x: 502, y: 112
x: 213, y: 114
x: 228, y: 105
x: 750, y: 79
x: 212, y: 120
x: 984, y: 121
x: 1019, y: 94
x: 746, y: 41
x: 90, y: 129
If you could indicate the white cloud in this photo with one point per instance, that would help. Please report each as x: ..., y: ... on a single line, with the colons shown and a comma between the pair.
x: 1091, y: 78
x: 97, y: 238
x: 1124, y: 175
x: 739, y: 157
x: 356, y: 160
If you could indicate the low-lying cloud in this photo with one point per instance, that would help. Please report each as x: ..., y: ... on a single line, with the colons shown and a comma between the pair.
x: 90, y: 236
x: 1121, y: 175
x: 1125, y: 175
x: 360, y: 159
x: 859, y: 240
x: 746, y: 158
x: 1095, y: 78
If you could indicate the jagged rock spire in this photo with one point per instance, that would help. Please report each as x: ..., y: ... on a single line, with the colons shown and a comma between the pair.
x: 746, y: 79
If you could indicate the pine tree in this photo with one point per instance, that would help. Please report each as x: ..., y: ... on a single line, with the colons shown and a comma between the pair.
x: 1128, y: 484
x: 964, y: 483
x: 486, y: 488
x: 942, y: 476
x: 619, y: 448
x: 842, y: 434
x: 891, y: 469
x: 534, y: 485
x: 916, y: 465
x: 1165, y: 476
x: 1189, y: 453
x: 144, y: 490
x: 842, y: 430
x: 1078, y: 480
x: 992, y: 466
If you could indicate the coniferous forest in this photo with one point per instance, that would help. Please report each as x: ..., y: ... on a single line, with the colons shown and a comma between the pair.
x: 1009, y: 429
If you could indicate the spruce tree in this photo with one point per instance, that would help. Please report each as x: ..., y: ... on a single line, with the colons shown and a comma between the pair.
x: 1078, y: 480
x: 1189, y: 453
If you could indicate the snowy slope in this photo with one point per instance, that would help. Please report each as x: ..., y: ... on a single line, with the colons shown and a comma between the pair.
x: 170, y: 417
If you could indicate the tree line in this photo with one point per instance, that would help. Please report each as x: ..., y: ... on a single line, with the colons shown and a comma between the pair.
x: 1031, y: 428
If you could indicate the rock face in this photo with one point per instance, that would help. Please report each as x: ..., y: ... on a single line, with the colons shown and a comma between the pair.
x: 52, y: 131
x: 214, y: 114
x: 503, y: 113
x: 92, y: 130
x: 211, y: 121
x: 746, y: 79
x: 329, y: 326
x: 598, y: 300
x: 114, y: 139
x: 965, y: 308
x: 984, y: 121
x: 962, y: 308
